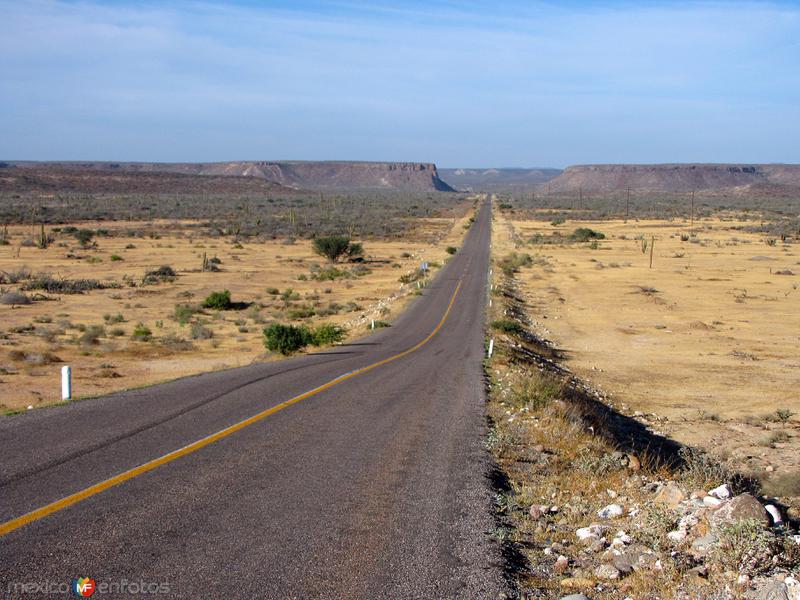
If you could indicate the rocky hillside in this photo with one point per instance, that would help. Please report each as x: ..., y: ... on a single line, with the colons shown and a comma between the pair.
x: 57, y: 180
x: 772, y: 178
x: 496, y: 179
x: 323, y: 175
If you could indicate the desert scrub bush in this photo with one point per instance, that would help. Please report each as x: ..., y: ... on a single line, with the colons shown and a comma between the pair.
x: 301, y: 312
x: 415, y: 275
x: 115, y: 258
x: 289, y: 295
x: 92, y: 335
x: 183, y: 313
x: 113, y: 319
x: 336, y: 247
x: 327, y: 334
x: 330, y: 274
x: 745, y: 547
x: 14, y: 299
x: 286, y: 339
x: 142, y: 333
x: 535, y: 391
x: 116, y: 332
x: 200, y: 332
x: 84, y: 237
x: 47, y: 283
x: 584, y: 234
x: 512, y: 263
x: 701, y: 470
x: 163, y: 274
x: 273, y: 291
x: 655, y: 522
x: 508, y: 326
x: 175, y: 343
x: 451, y: 250
x: 218, y: 300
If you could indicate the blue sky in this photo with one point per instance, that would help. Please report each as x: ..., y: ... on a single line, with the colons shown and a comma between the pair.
x: 456, y: 83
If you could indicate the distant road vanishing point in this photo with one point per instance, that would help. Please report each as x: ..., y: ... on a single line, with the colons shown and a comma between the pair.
x: 352, y: 473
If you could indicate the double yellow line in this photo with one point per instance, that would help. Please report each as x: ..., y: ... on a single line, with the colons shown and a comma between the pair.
x: 58, y: 505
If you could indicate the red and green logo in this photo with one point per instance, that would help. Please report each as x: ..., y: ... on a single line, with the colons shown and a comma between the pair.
x: 83, y: 587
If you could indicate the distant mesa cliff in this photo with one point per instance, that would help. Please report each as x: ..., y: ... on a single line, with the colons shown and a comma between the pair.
x: 736, y: 178
x: 323, y: 175
x: 496, y: 179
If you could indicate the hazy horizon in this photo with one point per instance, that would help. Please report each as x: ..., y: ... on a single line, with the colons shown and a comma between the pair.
x: 520, y: 85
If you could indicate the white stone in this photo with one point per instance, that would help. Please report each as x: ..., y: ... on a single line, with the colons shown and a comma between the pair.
x: 722, y: 492
x: 711, y: 501
x: 677, y: 536
x: 743, y: 579
x: 585, y: 533
x: 773, y: 511
x: 612, y: 511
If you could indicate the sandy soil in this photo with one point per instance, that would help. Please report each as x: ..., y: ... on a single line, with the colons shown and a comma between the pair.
x: 704, y: 344
x: 37, y: 339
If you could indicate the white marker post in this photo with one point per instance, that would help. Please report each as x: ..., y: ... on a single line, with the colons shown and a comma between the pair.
x: 373, y: 324
x: 66, y: 383
x: 491, y: 347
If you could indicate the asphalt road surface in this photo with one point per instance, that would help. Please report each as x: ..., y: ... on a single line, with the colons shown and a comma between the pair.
x: 374, y: 487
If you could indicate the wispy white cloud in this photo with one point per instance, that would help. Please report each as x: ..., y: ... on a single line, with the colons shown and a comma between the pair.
x: 521, y: 83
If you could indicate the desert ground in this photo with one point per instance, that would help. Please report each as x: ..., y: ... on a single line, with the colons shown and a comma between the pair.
x: 702, y: 346
x: 130, y: 334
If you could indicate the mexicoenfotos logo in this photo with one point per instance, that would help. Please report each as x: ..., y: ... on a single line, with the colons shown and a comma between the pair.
x: 83, y: 587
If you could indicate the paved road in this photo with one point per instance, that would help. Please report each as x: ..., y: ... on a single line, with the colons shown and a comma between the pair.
x: 373, y: 488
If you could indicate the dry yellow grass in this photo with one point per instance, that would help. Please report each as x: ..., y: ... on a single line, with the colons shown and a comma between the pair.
x: 706, y: 338
x: 248, y: 270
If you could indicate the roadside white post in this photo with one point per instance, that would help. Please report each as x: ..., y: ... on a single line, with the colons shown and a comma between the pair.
x: 66, y: 383
x: 491, y: 347
x: 372, y: 326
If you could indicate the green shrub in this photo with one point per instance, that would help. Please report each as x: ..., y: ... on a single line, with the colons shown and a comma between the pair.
x: 92, y: 335
x: 184, y: 312
x: 451, y: 249
x: 112, y: 319
x: 415, y: 275
x: 584, y: 234
x: 286, y: 339
x: 336, y: 247
x: 164, y: 273
x: 302, y: 312
x: 327, y: 334
x: 116, y: 258
x: 508, y: 326
x: 511, y: 263
x: 273, y: 291
x: 200, y: 332
x: 330, y: 274
x: 84, y: 236
x: 218, y: 300
x: 142, y: 333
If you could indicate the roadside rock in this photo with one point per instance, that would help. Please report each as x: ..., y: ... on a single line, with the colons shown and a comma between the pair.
x: 670, y: 494
x: 702, y: 545
x: 561, y: 564
x: 606, y: 572
x: 741, y: 508
x: 722, y: 492
x: 612, y: 511
x: 771, y: 590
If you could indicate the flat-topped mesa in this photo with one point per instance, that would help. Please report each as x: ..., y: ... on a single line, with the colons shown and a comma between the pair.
x: 671, y: 177
x: 310, y: 175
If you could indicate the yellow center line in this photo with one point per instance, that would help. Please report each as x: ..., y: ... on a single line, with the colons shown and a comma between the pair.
x: 58, y: 505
